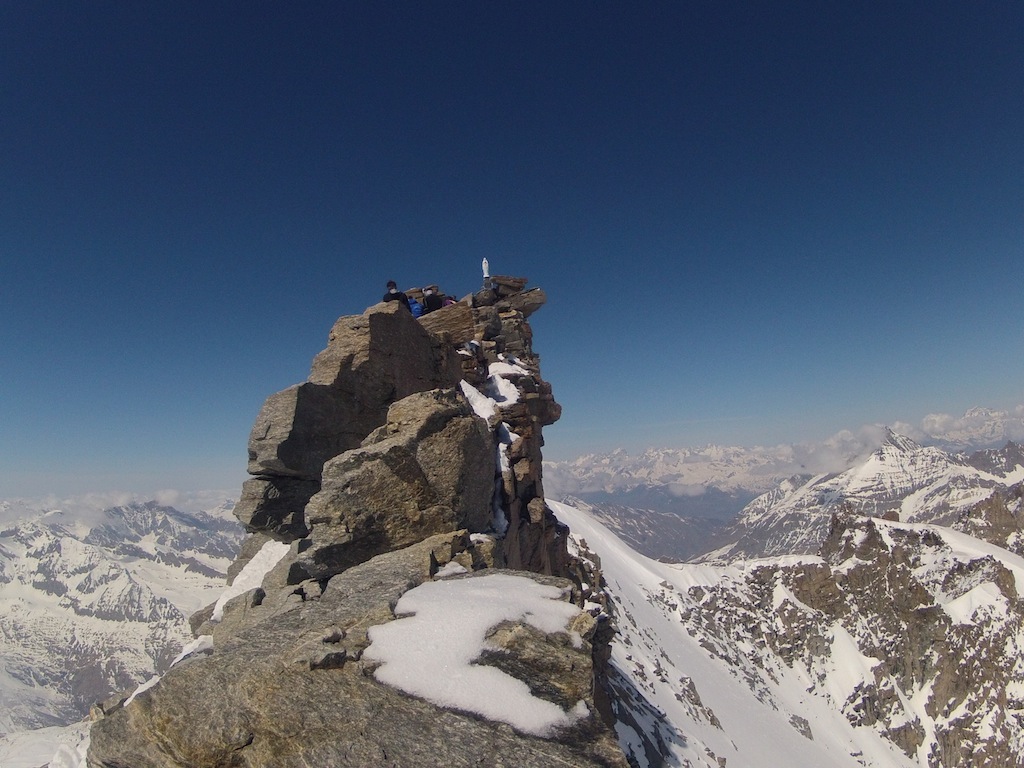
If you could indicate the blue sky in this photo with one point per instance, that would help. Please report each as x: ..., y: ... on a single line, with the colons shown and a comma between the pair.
x: 756, y: 223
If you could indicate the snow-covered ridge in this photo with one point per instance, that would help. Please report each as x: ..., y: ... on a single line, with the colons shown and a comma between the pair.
x: 901, y: 480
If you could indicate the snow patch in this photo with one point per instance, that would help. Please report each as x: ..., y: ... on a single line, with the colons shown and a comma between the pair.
x: 430, y: 650
x: 984, y: 598
x: 251, y: 576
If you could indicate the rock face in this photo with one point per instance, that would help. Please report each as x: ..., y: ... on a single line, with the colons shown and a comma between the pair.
x: 999, y: 519
x: 371, y: 361
x: 412, y: 452
x: 291, y: 689
x: 492, y: 332
x: 430, y: 469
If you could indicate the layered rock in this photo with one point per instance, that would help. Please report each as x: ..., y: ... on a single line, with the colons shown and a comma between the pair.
x: 374, y: 360
x: 492, y: 330
x: 379, y: 473
x: 429, y: 469
x: 371, y: 361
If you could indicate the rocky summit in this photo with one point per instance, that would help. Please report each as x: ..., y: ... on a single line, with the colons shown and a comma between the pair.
x: 411, y: 457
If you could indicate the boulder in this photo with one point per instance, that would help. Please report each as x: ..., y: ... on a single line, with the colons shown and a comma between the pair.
x: 371, y: 361
x: 294, y: 692
x: 428, y: 470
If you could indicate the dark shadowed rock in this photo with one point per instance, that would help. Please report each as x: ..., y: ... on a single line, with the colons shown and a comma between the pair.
x: 371, y: 361
x: 276, y: 504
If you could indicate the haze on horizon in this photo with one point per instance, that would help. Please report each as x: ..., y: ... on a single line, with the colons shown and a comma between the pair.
x: 755, y: 225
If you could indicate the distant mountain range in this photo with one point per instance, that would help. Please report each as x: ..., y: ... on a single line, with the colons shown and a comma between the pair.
x: 678, y: 503
x: 901, y: 481
x: 98, y: 601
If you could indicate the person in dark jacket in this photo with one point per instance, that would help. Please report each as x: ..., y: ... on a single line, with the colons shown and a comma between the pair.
x: 394, y: 294
x: 431, y: 300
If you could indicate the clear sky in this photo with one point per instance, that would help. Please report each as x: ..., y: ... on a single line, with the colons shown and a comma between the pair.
x: 756, y: 223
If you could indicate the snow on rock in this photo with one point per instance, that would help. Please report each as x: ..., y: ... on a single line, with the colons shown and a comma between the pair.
x: 53, y: 747
x: 251, y: 576
x: 430, y: 650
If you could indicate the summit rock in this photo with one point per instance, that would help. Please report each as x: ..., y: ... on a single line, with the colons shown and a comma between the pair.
x: 412, y: 454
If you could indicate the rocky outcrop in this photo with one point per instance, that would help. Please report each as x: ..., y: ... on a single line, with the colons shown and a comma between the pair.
x: 291, y: 688
x: 413, y: 452
x: 999, y: 519
x: 492, y: 330
x: 429, y: 469
x: 371, y: 361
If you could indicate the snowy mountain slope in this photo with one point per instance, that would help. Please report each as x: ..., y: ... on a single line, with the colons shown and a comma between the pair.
x: 91, y: 604
x: 899, y: 646
x: 732, y: 700
x: 901, y: 480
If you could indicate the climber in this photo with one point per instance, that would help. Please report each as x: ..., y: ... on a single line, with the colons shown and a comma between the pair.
x: 394, y: 294
x: 431, y: 300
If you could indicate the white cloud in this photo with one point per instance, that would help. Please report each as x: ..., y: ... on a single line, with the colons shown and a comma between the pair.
x: 686, y: 489
x: 838, y: 452
x: 977, y: 427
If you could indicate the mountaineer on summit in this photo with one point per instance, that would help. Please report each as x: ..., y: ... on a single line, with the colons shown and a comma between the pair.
x: 394, y: 294
x: 431, y: 301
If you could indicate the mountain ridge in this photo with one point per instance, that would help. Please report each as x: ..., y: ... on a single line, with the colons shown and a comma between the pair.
x: 120, y: 582
x: 900, y: 480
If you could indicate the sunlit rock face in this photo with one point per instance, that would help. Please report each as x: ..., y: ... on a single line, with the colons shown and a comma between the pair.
x: 371, y: 361
x: 412, y: 453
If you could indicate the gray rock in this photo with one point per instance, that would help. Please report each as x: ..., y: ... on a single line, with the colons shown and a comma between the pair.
x: 290, y: 690
x: 371, y: 361
x: 276, y: 504
x: 428, y: 470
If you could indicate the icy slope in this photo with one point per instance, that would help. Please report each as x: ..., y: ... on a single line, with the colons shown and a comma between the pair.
x: 901, y: 647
